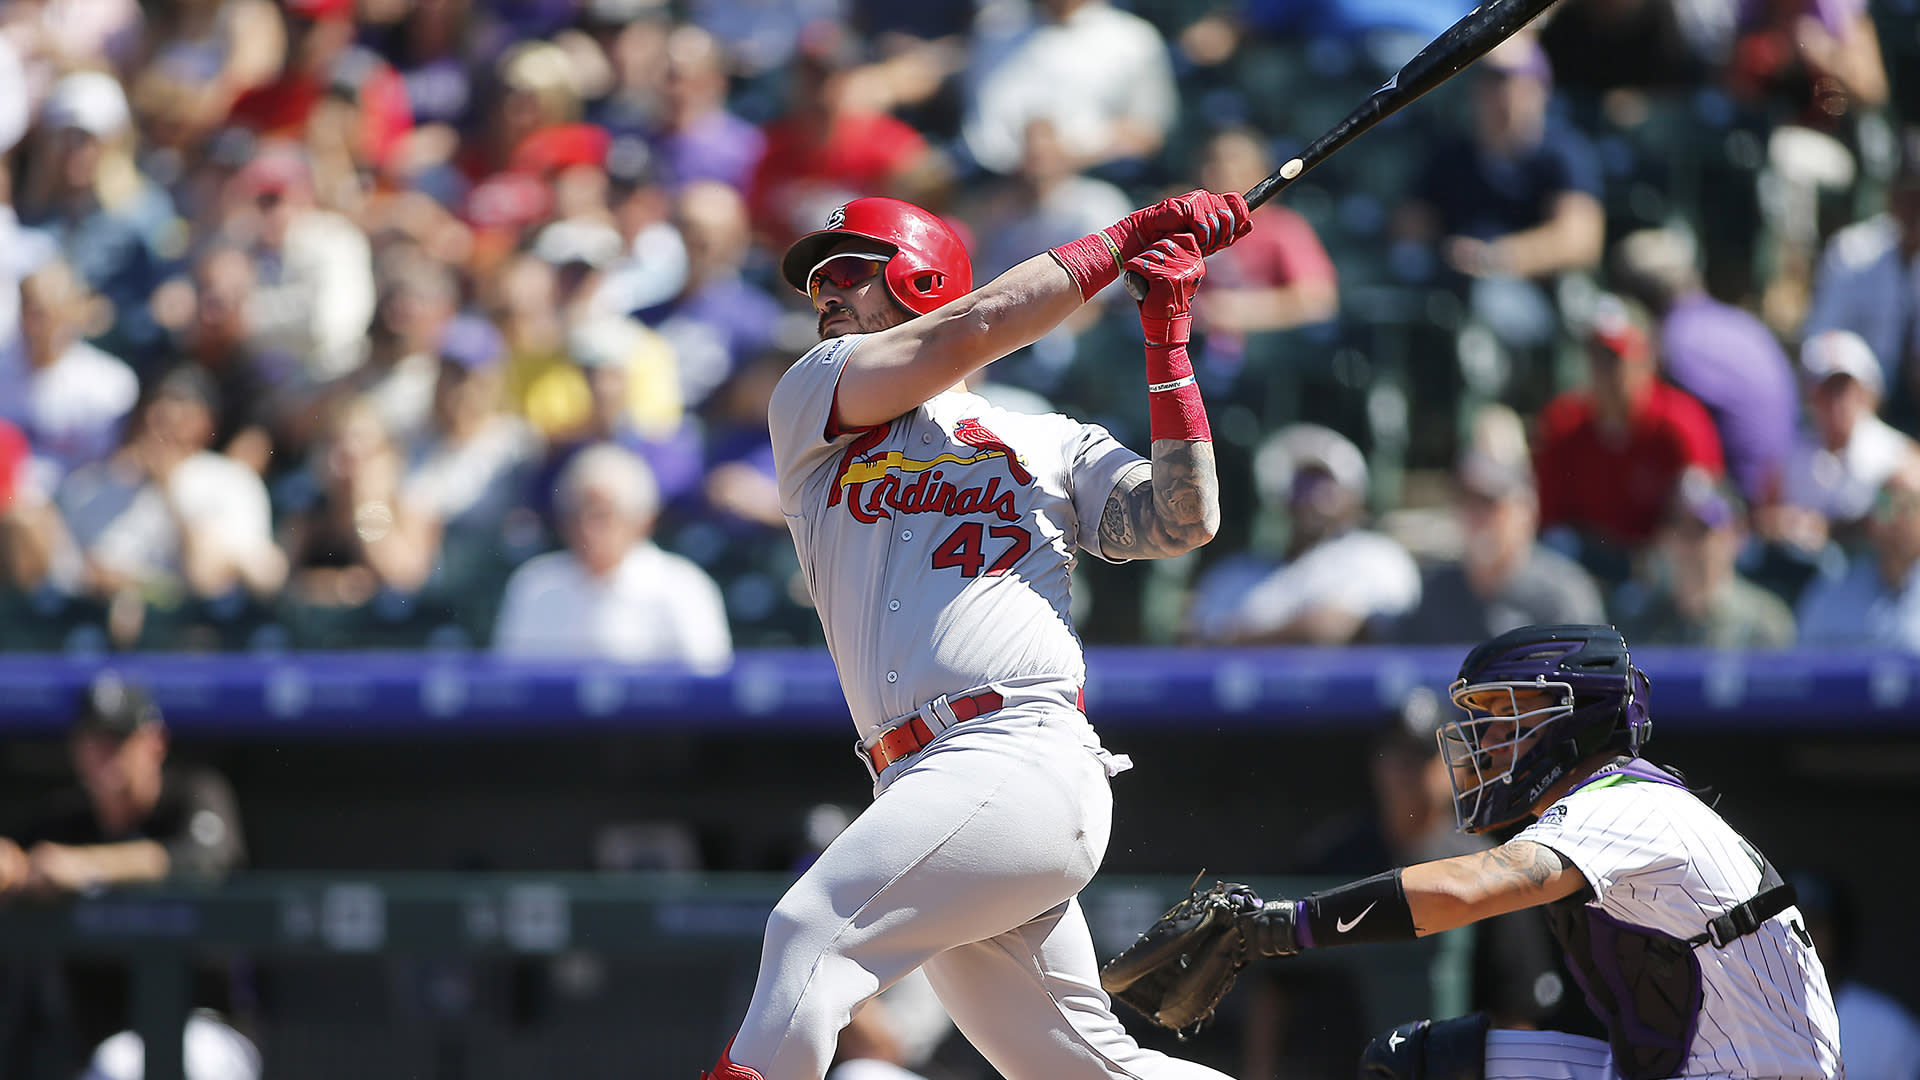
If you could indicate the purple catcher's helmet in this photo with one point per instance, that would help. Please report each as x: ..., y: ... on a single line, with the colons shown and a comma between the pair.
x: 1503, y: 757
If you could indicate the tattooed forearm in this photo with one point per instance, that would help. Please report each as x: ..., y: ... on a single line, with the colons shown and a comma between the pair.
x: 1165, y: 508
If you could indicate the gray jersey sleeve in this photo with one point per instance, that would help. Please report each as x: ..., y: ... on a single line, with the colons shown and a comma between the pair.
x: 1096, y: 462
x: 799, y: 414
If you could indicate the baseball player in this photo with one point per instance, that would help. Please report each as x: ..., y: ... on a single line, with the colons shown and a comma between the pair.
x: 937, y: 534
x: 1684, y: 938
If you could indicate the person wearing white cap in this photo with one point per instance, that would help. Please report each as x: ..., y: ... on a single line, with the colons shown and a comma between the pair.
x: 115, y: 226
x: 1846, y: 452
x: 1336, y: 581
x: 1874, y: 603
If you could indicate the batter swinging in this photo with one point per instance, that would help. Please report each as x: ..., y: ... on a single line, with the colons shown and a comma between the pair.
x: 936, y: 533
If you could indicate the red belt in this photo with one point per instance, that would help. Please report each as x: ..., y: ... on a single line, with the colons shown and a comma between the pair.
x: 912, y: 735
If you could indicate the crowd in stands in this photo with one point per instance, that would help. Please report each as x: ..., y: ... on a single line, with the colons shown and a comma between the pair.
x: 362, y: 323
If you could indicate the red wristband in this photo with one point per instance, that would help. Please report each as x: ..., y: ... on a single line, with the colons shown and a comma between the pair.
x: 1091, y: 261
x: 1173, y: 330
x: 1174, y: 407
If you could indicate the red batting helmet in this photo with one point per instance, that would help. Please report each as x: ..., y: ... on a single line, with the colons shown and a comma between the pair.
x: 929, y: 265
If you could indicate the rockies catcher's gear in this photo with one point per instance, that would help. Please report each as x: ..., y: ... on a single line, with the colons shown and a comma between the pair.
x: 1453, y: 1049
x: 1644, y: 984
x: 1600, y: 702
x: 929, y: 265
x: 1178, y: 971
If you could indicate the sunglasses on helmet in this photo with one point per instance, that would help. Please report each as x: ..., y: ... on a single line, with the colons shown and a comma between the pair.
x: 843, y: 271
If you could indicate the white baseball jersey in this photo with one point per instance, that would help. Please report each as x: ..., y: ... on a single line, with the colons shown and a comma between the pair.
x: 1659, y: 858
x: 937, y: 547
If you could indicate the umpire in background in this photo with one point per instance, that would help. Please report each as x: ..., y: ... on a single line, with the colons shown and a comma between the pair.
x: 132, y: 819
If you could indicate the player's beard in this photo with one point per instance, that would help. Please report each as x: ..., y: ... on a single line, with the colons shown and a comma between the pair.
x: 863, y: 324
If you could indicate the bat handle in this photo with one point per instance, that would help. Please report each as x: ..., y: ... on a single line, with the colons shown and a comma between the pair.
x: 1136, y: 284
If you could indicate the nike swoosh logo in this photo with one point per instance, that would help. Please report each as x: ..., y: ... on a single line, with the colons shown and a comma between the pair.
x: 1394, y: 1040
x: 1343, y: 925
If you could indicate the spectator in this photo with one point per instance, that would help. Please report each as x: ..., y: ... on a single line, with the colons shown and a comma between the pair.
x: 1512, y: 203
x: 602, y: 350
x: 831, y: 144
x: 613, y: 593
x: 205, y: 54
x: 719, y: 319
x: 762, y: 35
x: 418, y: 298
x: 1697, y: 595
x: 134, y: 818
x: 1868, y: 282
x: 1049, y: 202
x: 1046, y: 201
x: 426, y: 50
x: 1817, y: 62
x: 313, y: 296
x: 471, y: 467
x: 1277, y: 278
x: 1603, y: 46
x: 113, y: 225
x: 166, y: 513
x: 1122, y: 98
x: 1504, y: 577
x: 559, y: 291
x: 697, y: 138
x: 1390, y: 31
x: 652, y: 266
x: 1336, y: 580
x: 256, y: 389
x: 23, y: 513
x: 1607, y: 456
x: 69, y: 398
x: 364, y: 532
x: 632, y: 35
x: 1723, y: 356
x: 321, y: 59
x: 1875, y: 601
x: 1840, y: 462
x: 1880, y: 1036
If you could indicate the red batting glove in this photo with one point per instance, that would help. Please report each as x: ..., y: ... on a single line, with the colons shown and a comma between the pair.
x: 1173, y: 268
x: 1212, y: 221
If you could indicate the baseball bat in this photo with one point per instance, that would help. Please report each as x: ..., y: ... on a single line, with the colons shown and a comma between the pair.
x: 1475, y: 35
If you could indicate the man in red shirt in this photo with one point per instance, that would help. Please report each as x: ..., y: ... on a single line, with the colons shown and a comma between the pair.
x: 831, y: 144
x: 321, y: 59
x: 1608, y: 455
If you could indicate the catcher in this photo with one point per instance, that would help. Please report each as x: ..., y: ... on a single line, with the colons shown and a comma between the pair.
x: 1683, y: 937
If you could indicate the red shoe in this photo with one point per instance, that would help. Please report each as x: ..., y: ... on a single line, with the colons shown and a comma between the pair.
x: 727, y: 1070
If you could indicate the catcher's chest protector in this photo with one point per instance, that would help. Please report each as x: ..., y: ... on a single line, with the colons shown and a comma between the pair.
x: 1644, y: 984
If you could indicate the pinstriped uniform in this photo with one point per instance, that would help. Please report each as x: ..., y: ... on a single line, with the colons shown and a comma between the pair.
x: 1658, y: 858
x: 937, y: 549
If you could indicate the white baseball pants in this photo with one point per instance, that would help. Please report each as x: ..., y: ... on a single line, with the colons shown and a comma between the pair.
x: 1546, y: 1055
x: 966, y: 864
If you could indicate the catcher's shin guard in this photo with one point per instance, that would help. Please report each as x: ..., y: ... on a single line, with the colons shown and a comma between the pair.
x: 1453, y: 1049
x: 725, y: 1069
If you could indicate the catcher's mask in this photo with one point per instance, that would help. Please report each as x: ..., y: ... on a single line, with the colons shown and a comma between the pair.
x: 927, y: 265
x: 1538, y: 700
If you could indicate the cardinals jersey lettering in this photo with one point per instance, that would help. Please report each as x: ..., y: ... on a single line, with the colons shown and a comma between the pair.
x: 938, y: 547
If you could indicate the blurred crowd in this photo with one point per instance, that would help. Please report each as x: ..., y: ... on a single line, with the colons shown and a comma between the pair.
x: 352, y: 323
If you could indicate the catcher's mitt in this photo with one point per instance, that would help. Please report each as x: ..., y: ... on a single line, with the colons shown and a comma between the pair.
x: 1178, y: 971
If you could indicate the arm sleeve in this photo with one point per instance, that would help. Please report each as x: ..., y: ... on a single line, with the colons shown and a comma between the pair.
x: 800, y: 417
x: 1096, y: 461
